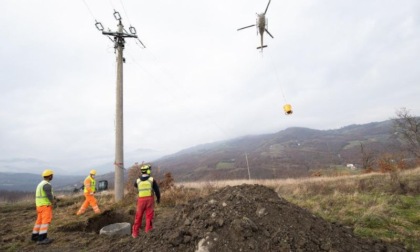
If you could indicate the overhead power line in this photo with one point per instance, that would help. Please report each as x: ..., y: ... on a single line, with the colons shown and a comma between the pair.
x: 90, y: 11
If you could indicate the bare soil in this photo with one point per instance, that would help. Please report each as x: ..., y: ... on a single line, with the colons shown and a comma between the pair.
x: 239, y: 218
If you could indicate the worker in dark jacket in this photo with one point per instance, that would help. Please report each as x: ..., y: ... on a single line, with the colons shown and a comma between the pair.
x: 147, y: 188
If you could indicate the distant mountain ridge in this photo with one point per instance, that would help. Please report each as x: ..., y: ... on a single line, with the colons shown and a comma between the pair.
x: 103, y: 164
x: 293, y: 152
x: 27, y: 165
x: 29, y: 181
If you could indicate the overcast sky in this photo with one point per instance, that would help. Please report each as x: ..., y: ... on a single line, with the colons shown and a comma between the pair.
x: 199, y: 80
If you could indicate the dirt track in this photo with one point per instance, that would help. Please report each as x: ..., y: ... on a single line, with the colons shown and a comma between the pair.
x: 239, y: 218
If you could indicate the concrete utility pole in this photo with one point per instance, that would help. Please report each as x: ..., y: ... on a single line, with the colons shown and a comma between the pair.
x: 119, y: 122
x: 247, y: 165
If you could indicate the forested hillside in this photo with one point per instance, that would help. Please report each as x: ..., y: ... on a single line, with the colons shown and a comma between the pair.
x: 293, y: 152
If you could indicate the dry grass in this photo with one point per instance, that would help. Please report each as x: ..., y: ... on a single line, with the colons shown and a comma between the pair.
x: 179, y: 195
x: 375, y: 205
x: 15, y: 196
x: 321, y: 185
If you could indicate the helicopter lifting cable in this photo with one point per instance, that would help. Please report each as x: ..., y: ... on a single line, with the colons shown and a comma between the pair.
x: 286, y: 107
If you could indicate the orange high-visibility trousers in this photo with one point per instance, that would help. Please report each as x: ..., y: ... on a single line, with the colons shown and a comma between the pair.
x: 43, y: 220
x: 89, y: 200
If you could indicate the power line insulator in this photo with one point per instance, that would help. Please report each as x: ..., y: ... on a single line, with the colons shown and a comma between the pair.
x: 117, y: 15
x: 132, y: 30
x: 99, y: 26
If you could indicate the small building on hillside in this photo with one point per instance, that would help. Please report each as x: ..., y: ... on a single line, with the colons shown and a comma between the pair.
x: 351, y: 166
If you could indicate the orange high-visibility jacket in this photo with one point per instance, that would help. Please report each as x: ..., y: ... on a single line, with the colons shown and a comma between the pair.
x: 90, y: 185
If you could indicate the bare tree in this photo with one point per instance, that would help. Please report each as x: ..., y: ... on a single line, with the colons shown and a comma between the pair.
x: 407, y: 127
x: 134, y: 173
x: 367, y: 158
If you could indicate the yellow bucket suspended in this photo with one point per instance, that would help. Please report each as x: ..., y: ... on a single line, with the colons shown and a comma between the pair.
x: 288, y: 109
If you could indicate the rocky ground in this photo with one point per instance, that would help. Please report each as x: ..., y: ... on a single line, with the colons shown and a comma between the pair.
x: 239, y: 218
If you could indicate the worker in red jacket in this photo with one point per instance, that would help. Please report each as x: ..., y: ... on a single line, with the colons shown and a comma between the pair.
x: 147, y: 188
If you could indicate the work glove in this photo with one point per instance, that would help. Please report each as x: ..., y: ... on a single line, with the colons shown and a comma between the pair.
x: 91, y: 193
x: 54, y: 204
x: 158, y: 201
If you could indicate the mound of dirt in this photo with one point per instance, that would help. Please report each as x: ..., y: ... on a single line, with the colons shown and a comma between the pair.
x: 248, y: 218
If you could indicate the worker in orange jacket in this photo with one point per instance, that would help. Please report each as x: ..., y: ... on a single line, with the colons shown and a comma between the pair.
x: 44, y: 200
x: 89, y: 190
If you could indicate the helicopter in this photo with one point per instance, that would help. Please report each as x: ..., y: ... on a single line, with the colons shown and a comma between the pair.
x: 261, y: 26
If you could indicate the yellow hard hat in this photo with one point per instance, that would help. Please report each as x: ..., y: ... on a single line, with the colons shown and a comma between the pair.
x: 47, y: 173
x: 93, y: 172
x: 145, y: 167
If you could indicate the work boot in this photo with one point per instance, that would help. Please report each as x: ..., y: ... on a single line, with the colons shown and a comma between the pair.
x: 34, y: 237
x: 44, y: 242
